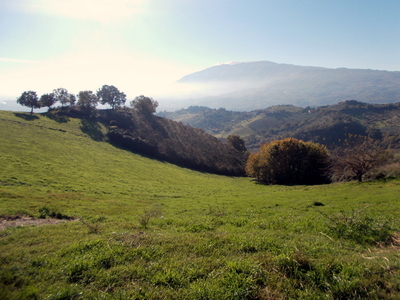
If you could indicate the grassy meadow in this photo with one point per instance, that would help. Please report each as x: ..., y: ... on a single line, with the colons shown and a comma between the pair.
x: 138, y: 228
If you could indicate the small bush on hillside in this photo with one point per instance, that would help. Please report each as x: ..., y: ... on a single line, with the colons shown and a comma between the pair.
x: 45, y: 212
x: 289, y: 161
x: 145, y: 218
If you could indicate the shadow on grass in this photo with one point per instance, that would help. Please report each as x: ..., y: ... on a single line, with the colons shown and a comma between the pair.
x: 92, y: 129
x: 27, y: 117
x: 55, y: 116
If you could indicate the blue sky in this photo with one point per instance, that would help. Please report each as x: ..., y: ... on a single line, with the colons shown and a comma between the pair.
x: 142, y: 46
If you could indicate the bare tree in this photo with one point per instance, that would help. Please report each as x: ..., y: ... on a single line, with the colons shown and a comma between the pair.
x: 356, y: 158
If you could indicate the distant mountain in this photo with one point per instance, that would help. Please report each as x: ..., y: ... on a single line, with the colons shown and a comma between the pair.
x: 257, y: 85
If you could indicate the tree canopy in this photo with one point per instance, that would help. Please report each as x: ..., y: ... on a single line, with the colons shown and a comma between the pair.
x: 87, y: 99
x: 29, y: 99
x: 47, y: 100
x: 109, y: 94
x: 145, y: 105
x: 236, y: 142
x: 289, y: 161
x: 62, y: 95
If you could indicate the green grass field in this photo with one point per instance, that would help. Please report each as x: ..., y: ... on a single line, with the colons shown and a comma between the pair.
x: 145, y: 229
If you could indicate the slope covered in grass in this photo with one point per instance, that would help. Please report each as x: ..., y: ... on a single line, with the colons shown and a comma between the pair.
x: 145, y: 229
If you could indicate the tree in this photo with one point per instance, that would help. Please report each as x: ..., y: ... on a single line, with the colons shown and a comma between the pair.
x: 72, y: 99
x: 47, y: 100
x: 236, y: 142
x: 109, y: 94
x: 356, y: 158
x: 87, y: 100
x: 289, y: 161
x: 253, y: 167
x: 62, y: 95
x: 144, y: 105
x: 29, y: 99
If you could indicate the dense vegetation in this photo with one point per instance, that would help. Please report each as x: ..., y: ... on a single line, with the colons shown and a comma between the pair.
x: 327, y: 125
x: 172, y: 141
x: 290, y: 161
x: 145, y: 229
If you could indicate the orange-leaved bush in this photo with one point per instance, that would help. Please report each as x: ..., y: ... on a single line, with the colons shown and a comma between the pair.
x: 289, y: 161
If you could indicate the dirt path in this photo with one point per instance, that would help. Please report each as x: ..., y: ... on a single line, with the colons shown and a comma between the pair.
x: 15, y: 221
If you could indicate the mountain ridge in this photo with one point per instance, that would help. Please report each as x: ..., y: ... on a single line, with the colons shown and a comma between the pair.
x: 257, y: 85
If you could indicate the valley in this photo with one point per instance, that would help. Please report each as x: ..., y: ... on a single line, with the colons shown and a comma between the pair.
x: 148, y: 229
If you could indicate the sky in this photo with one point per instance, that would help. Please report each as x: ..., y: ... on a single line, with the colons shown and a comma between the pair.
x: 143, y: 46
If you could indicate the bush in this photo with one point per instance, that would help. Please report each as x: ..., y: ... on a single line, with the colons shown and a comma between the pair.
x: 289, y: 161
x: 45, y: 212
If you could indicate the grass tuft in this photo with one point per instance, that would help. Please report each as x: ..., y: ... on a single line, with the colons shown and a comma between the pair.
x: 360, y: 227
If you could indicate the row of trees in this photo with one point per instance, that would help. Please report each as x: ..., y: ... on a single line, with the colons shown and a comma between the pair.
x: 107, y: 94
x: 292, y: 161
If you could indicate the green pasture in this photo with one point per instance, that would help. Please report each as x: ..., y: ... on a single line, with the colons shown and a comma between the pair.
x: 138, y: 228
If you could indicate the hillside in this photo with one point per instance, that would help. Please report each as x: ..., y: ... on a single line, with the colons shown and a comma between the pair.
x: 157, y: 138
x: 256, y: 85
x: 138, y: 228
x: 327, y: 125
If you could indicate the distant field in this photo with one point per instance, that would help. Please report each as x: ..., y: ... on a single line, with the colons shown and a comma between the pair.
x: 137, y: 228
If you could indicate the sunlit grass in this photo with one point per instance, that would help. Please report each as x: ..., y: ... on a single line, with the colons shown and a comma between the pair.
x: 146, y: 229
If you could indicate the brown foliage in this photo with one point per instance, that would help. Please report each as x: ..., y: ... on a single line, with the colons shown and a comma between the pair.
x: 172, y: 141
x: 289, y: 161
x: 356, y: 158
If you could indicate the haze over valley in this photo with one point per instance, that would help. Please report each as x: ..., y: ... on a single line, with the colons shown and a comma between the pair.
x: 258, y: 85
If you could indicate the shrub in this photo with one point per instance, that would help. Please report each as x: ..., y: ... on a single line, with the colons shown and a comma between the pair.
x: 289, y: 161
x: 45, y: 212
x: 145, y: 218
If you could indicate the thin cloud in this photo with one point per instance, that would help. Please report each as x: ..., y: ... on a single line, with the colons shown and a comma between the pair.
x: 95, y: 10
x: 20, y: 61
